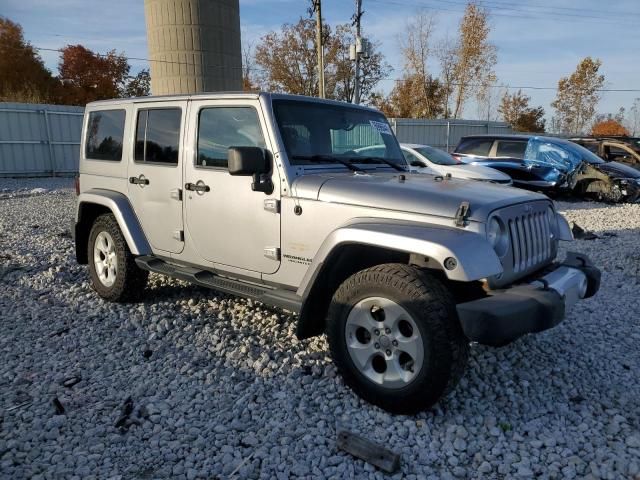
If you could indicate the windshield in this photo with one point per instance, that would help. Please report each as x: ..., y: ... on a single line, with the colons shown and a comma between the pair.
x: 435, y: 155
x: 563, y: 155
x: 313, y: 130
x: 586, y: 154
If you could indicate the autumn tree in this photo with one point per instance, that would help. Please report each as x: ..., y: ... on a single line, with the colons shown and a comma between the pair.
x: 139, y: 86
x: 515, y: 110
x: 87, y: 76
x: 288, y: 62
x: 415, y: 97
x: 23, y: 76
x: 578, y: 96
x: 608, y: 127
x: 474, y: 57
x: 419, y: 94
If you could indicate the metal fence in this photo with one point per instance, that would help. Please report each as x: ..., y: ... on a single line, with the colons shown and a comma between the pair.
x: 443, y: 133
x: 43, y: 140
x: 39, y: 140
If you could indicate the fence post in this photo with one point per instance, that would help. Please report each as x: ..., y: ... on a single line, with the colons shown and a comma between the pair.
x: 52, y: 159
x: 448, y: 131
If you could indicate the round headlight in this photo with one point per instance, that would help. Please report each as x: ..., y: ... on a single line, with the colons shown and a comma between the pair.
x: 497, y: 236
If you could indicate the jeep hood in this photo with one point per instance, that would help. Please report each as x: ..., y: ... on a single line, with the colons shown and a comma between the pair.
x: 418, y: 193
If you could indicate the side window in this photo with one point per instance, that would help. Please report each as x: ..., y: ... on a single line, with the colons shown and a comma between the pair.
x: 511, y: 149
x: 158, y: 135
x: 105, y: 131
x: 475, y: 146
x: 222, y: 127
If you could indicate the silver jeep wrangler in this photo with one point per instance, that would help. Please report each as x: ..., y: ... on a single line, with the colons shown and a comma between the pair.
x: 308, y: 205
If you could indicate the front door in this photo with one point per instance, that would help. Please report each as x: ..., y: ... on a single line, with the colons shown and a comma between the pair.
x: 155, y: 174
x: 229, y: 224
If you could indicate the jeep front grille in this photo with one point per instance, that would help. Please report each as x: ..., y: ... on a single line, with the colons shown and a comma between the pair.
x: 530, y: 240
x: 531, y: 245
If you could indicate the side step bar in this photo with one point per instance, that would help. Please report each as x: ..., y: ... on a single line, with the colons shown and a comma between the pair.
x: 276, y: 297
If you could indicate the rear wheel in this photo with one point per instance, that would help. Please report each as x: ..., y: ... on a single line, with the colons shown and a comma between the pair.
x: 112, y: 267
x: 395, y: 337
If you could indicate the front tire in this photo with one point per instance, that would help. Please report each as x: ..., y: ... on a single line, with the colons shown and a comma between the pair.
x: 112, y: 267
x: 395, y: 337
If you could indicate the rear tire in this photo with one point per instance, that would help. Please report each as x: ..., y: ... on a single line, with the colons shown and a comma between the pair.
x: 112, y: 267
x: 395, y: 337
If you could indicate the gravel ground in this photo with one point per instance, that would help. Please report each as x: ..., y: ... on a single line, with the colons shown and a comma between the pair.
x: 219, y: 386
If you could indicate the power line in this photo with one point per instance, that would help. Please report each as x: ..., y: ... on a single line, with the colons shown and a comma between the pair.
x: 523, y: 87
x: 522, y: 13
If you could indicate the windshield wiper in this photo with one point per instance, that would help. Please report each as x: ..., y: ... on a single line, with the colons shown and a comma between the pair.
x: 378, y: 160
x: 327, y: 158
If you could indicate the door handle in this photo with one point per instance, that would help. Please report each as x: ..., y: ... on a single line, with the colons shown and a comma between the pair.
x: 139, y: 180
x: 197, y: 187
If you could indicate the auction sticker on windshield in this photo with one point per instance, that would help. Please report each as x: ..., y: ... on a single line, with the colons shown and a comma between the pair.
x: 381, y: 127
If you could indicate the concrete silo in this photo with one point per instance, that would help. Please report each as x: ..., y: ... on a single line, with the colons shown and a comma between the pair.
x: 194, y: 45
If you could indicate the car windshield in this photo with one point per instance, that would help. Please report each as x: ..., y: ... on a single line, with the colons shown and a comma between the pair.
x: 312, y: 131
x: 435, y: 155
x: 586, y: 154
x: 563, y: 155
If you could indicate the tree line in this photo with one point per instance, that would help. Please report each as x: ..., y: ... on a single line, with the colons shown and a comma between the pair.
x: 440, y: 76
x: 83, y: 76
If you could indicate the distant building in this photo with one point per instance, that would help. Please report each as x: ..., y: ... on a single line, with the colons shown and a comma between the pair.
x: 194, y: 45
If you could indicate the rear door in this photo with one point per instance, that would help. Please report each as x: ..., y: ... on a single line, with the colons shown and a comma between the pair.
x: 155, y: 173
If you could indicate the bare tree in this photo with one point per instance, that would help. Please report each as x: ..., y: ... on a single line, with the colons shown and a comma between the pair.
x: 578, y: 96
x: 474, y: 57
x: 419, y: 94
x: 249, y: 81
x: 633, y: 120
x: 446, y: 54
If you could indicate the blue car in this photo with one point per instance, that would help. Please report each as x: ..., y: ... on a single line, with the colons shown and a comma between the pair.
x: 551, y: 165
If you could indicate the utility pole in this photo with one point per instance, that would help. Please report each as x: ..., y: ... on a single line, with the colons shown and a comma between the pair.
x: 317, y: 7
x: 356, y: 86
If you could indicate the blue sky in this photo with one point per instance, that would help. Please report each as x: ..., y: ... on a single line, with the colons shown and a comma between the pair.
x: 538, y: 41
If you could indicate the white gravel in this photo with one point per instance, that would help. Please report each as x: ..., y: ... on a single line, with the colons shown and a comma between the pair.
x: 226, y: 388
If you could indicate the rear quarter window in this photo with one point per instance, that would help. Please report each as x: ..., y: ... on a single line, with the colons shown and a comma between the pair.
x: 475, y: 146
x: 105, y: 131
x: 511, y: 149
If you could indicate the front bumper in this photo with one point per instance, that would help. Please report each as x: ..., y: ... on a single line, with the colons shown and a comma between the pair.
x: 505, y: 315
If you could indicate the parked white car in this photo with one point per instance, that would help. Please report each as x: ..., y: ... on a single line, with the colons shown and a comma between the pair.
x: 426, y: 159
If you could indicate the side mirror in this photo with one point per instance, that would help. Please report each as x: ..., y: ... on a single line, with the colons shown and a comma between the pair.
x: 247, y: 161
x: 418, y: 164
x: 251, y: 161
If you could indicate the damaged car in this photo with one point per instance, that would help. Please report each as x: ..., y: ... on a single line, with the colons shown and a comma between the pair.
x: 616, y: 149
x: 552, y: 165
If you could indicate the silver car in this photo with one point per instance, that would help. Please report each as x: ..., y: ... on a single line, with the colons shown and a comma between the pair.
x: 273, y: 197
x: 426, y: 159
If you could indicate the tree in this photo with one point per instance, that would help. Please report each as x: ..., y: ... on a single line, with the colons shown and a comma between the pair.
x: 372, y: 68
x: 418, y: 95
x: 578, y: 96
x: 249, y: 82
x: 87, y: 76
x: 415, y: 97
x: 515, y: 110
x: 23, y: 76
x: 288, y: 62
x: 139, y: 86
x: 473, y: 57
x: 634, y: 117
x: 608, y: 127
